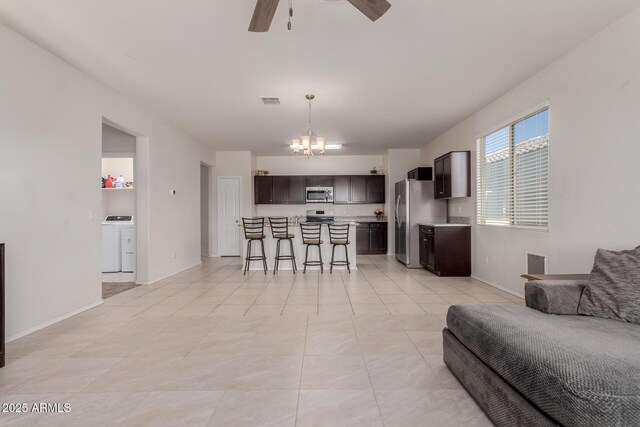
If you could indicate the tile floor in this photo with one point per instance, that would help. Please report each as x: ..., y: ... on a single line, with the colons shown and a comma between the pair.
x: 210, y: 346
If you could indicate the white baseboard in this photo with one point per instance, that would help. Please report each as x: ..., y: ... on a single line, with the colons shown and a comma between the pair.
x: 52, y: 321
x: 171, y: 274
x: 495, y: 285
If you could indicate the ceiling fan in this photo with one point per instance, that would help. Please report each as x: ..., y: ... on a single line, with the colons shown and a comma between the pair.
x: 265, y: 9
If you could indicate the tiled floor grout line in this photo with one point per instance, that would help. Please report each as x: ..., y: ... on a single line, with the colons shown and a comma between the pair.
x: 304, y: 352
x: 289, y: 294
x: 344, y: 286
x: 256, y: 298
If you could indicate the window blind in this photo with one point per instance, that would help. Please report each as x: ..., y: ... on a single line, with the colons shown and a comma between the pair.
x: 513, y: 174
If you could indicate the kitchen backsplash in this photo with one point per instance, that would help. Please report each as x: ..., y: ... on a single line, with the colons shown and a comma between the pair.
x: 459, y: 220
x: 338, y: 210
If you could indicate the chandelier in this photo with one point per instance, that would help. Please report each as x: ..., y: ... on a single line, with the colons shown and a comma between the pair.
x: 309, y: 145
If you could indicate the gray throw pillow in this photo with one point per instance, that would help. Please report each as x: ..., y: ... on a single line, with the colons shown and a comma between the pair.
x: 614, y: 286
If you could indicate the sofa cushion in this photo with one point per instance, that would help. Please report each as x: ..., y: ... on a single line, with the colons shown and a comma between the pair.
x: 579, y: 370
x: 613, y: 290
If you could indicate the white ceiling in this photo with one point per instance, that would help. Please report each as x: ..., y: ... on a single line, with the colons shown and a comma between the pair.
x: 395, y: 83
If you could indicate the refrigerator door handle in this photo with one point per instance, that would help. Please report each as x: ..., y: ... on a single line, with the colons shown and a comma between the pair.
x: 397, y: 209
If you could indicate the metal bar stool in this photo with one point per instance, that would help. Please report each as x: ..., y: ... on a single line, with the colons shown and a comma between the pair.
x: 339, y: 236
x: 311, y: 237
x: 280, y: 231
x: 254, y: 231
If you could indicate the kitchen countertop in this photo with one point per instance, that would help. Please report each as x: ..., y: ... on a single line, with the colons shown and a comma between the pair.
x: 360, y: 219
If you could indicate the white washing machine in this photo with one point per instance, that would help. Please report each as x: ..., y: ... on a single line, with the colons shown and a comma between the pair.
x: 112, y: 248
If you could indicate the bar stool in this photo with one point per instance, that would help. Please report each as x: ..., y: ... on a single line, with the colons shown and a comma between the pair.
x: 339, y: 236
x: 254, y: 231
x: 280, y: 231
x: 311, y: 237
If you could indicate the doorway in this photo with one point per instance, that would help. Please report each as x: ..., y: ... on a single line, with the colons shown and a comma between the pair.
x: 118, y: 211
x: 229, y: 188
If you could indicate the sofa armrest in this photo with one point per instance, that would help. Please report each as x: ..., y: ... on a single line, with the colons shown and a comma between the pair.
x: 554, y: 296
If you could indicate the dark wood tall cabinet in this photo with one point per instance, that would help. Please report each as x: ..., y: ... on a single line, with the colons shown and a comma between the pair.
x: 2, y: 305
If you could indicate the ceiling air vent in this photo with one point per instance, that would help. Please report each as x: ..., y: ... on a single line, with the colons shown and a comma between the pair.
x: 270, y: 100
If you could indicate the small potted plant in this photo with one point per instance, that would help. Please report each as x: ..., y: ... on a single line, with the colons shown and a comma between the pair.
x: 379, y: 213
x: 374, y: 171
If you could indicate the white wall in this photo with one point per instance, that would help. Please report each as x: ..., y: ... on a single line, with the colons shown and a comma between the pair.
x: 238, y: 163
x: 331, y: 164
x: 594, y: 130
x: 116, y: 141
x: 51, y: 119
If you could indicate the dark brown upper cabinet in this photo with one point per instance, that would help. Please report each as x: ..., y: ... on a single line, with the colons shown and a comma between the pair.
x: 375, y: 189
x: 280, y: 190
x: 453, y: 175
x: 341, y: 189
x: 358, y: 189
x: 319, y: 181
x: 298, y: 190
x: 291, y: 190
x: 263, y: 190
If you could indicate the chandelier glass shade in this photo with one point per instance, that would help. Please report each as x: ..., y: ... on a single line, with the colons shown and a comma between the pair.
x: 309, y: 144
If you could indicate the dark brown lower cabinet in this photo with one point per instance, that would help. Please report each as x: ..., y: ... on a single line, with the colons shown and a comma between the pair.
x: 446, y: 251
x: 2, y: 338
x: 371, y: 238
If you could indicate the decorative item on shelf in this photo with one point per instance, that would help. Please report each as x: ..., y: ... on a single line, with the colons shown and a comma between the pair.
x: 110, y: 182
x: 104, y: 182
x: 311, y: 145
x: 120, y: 182
x: 375, y: 171
x: 261, y: 173
x: 128, y: 184
x: 379, y: 213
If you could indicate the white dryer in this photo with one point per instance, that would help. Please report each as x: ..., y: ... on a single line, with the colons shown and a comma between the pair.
x: 112, y: 228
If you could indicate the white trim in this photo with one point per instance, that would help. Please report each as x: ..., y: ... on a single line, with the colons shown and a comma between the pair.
x: 51, y: 322
x: 151, y: 282
x: 495, y: 285
x: 523, y: 114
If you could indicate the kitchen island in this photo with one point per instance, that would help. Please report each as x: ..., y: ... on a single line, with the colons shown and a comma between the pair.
x: 299, y: 249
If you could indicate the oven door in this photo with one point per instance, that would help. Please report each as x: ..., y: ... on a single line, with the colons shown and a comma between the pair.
x: 317, y: 196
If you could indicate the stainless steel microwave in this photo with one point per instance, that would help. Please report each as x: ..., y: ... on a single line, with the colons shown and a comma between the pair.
x: 319, y: 194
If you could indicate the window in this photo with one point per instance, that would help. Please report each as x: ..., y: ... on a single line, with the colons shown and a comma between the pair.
x: 513, y: 174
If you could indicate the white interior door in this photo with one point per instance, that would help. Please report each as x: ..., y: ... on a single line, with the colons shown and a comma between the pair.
x: 229, y: 188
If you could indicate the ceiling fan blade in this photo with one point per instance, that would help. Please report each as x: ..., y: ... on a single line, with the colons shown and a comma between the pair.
x: 263, y: 15
x: 373, y: 9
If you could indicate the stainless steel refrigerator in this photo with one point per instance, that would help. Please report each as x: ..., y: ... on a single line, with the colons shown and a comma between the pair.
x: 415, y: 205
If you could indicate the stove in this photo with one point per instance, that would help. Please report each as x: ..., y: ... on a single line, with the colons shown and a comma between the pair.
x: 323, y: 216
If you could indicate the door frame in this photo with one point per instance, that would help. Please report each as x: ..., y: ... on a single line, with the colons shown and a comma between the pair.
x: 220, y: 216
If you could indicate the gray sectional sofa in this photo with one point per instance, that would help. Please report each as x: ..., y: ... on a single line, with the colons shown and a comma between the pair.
x: 544, y: 364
